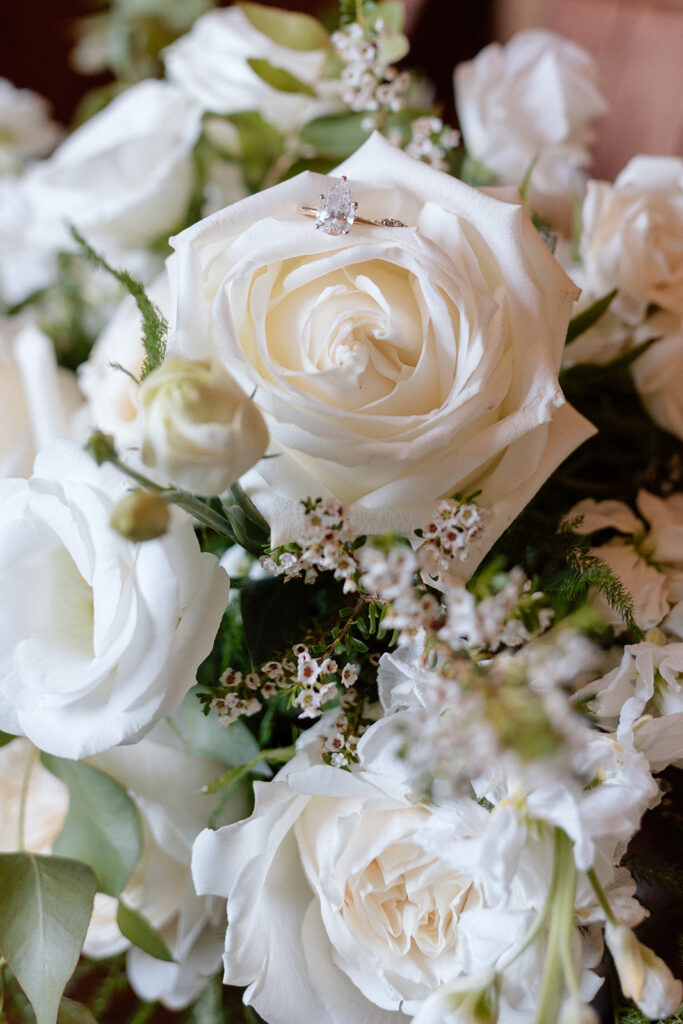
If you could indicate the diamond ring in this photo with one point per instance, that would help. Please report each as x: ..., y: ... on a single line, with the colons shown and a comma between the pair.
x: 336, y: 212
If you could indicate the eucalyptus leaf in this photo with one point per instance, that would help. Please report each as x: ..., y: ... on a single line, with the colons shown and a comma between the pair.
x: 335, y: 135
x: 5, y: 738
x: 102, y: 828
x: 260, y: 144
x: 392, y: 13
x: 288, y: 28
x: 393, y: 48
x: 203, y: 734
x: 140, y: 932
x: 71, y: 1012
x: 279, y: 78
x: 45, y: 908
x: 582, y: 321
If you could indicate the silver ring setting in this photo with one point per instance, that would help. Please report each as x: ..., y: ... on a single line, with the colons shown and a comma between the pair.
x: 336, y: 212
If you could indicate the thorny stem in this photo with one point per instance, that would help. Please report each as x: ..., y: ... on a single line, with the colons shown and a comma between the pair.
x: 30, y: 762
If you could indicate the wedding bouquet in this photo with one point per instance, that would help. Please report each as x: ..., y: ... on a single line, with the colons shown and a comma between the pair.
x: 341, y: 535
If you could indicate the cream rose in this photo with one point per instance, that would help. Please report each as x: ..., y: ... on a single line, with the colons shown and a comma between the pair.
x: 394, y: 366
x: 533, y: 99
x: 126, y: 175
x: 340, y: 911
x: 200, y: 429
x: 633, y: 237
x: 658, y: 373
x: 99, y: 637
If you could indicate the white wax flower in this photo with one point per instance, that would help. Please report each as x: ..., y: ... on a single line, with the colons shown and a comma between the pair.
x: 209, y: 65
x: 394, y: 366
x: 533, y: 99
x: 26, y: 128
x: 111, y: 394
x: 38, y: 399
x: 126, y: 175
x: 200, y: 429
x: 99, y: 638
x: 339, y: 910
x: 632, y: 237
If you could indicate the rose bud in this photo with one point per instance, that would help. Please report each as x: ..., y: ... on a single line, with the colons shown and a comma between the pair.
x: 200, y: 429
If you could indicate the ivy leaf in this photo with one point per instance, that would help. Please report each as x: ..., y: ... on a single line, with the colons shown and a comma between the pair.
x: 140, y: 932
x: 288, y: 28
x: 45, y: 908
x: 102, y: 828
x: 279, y: 78
x: 582, y: 321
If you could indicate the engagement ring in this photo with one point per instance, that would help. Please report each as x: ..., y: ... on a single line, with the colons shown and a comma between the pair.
x: 336, y: 213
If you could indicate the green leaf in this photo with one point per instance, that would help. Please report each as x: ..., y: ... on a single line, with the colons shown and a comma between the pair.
x: 203, y: 734
x: 288, y: 28
x: 335, y: 135
x: 393, y: 48
x: 71, y: 1012
x: 140, y: 932
x: 45, y: 908
x: 154, y: 325
x: 392, y: 14
x: 279, y: 78
x: 5, y: 738
x: 102, y: 828
x: 582, y: 321
x: 260, y: 145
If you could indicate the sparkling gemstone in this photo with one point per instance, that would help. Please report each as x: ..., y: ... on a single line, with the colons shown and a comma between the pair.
x: 336, y: 211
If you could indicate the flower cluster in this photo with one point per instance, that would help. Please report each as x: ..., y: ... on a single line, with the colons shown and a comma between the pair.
x: 432, y: 141
x: 369, y: 81
x: 325, y: 544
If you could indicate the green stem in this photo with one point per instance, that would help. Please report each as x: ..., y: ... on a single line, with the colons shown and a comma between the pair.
x: 600, y: 893
x: 30, y: 762
x: 555, y: 971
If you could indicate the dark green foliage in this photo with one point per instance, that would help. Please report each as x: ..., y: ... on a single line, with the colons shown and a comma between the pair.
x: 154, y: 325
x: 582, y: 321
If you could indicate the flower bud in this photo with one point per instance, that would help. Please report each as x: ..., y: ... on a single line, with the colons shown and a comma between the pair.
x: 201, y: 430
x: 141, y: 516
x: 468, y: 1000
x: 101, y: 447
x: 643, y: 976
x: 576, y: 1012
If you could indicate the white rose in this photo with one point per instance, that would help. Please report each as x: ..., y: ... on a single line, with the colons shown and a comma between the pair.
x: 210, y: 65
x: 38, y: 399
x: 632, y: 237
x: 99, y: 638
x: 27, y: 257
x: 112, y: 395
x: 339, y: 913
x: 126, y: 175
x: 394, y: 366
x: 644, y: 976
x: 200, y: 429
x: 532, y: 99
x: 658, y: 373
x: 26, y: 129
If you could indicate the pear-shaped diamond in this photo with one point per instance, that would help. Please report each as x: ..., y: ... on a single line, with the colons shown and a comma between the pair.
x: 336, y: 212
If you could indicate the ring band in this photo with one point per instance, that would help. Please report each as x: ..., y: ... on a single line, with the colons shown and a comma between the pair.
x: 381, y: 222
x: 336, y: 213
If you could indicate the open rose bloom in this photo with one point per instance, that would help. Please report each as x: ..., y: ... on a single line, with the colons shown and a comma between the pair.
x: 394, y: 365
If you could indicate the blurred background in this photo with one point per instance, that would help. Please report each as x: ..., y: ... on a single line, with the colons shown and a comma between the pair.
x: 638, y: 45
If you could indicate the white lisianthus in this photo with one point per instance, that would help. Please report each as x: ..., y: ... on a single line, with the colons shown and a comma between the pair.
x: 209, y: 65
x: 644, y: 977
x: 26, y: 128
x: 649, y: 562
x: 165, y: 780
x: 111, y: 394
x: 27, y: 257
x: 126, y: 175
x: 533, y: 99
x: 200, y: 429
x: 45, y: 798
x: 394, y: 366
x: 340, y: 913
x: 632, y: 237
x: 99, y: 638
x: 38, y: 399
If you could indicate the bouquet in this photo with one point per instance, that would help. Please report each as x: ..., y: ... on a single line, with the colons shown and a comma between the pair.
x: 341, y: 535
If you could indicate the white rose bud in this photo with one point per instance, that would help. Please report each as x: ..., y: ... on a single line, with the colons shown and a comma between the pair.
x: 201, y: 430
x: 643, y: 976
